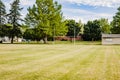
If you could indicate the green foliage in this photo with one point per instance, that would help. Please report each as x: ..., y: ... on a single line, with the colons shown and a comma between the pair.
x: 7, y: 30
x: 74, y: 28
x: 46, y: 17
x: 29, y: 34
x: 2, y: 18
x: 92, y: 31
x: 81, y: 26
x: 1, y: 31
x: 14, y: 19
x: 32, y: 34
x: 2, y: 13
x: 105, y: 26
x: 116, y: 23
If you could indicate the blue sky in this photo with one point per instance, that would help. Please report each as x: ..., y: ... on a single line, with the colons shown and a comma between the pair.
x: 83, y: 10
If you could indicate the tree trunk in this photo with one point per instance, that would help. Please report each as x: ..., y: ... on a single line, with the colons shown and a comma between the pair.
x: 92, y: 39
x: 45, y: 40
x: 12, y: 39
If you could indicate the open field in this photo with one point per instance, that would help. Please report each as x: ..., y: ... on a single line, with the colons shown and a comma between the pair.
x: 59, y: 62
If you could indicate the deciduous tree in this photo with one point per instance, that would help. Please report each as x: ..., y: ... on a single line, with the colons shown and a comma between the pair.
x: 46, y: 17
x: 116, y: 23
x: 74, y: 28
x: 92, y: 31
x: 105, y: 26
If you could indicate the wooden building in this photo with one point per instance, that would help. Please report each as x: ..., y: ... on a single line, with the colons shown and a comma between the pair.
x: 110, y: 39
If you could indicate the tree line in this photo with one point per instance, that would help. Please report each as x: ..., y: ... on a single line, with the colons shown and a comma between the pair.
x: 45, y: 20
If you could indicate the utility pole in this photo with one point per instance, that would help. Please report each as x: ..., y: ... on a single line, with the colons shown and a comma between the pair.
x: 74, y: 35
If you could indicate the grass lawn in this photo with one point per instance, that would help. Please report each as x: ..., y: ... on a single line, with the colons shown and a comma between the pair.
x: 59, y: 62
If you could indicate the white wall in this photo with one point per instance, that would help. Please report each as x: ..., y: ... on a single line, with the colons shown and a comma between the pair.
x: 110, y: 41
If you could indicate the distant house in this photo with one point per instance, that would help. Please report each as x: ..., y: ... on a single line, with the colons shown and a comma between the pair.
x: 110, y: 39
x: 8, y: 40
x: 4, y: 39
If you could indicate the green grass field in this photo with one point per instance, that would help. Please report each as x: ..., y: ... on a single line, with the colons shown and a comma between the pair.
x: 59, y: 62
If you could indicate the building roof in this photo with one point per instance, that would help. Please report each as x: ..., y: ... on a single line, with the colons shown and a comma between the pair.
x: 111, y: 35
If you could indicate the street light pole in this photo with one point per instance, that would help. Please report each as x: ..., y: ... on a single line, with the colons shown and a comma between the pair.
x: 54, y: 36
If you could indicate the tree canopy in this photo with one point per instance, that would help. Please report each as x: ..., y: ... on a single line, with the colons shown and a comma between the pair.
x: 45, y: 20
x: 74, y: 28
x: 2, y: 18
x: 116, y: 23
x: 92, y: 31
x: 2, y: 13
x: 46, y: 17
x: 105, y: 26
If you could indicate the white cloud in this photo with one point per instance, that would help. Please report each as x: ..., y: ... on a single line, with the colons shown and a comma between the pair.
x: 85, y: 15
x: 103, y: 3
x: 27, y: 2
x: 74, y: 13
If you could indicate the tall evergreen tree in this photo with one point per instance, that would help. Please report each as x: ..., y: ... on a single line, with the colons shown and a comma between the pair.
x: 116, y: 23
x: 46, y: 17
x: 2, y: 13
x: 2, y: 17
x: 14, y: 19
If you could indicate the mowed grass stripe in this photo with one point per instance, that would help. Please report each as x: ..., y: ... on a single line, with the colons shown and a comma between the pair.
x: 84, y: 68
x: 47, y: 58
x: 46, y: 70
x: 51, y: 61
x: 33, y: 55
x: 113, y: 64
x: 36, y: 52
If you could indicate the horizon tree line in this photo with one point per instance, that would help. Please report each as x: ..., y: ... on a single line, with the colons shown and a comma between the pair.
x: 45, y: 19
